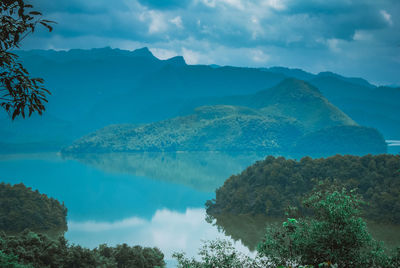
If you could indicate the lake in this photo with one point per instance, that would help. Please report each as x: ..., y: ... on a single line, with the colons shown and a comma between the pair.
x: 149, y: 199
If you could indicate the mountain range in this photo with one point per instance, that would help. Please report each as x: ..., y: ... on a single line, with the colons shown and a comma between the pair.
x: 279, y: 119
x: 92, y: 89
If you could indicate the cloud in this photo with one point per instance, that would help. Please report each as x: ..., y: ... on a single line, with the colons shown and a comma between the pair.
x: 177, y: 21
x: 93, y: 226
x: 165, y: 4
x: 191, y: 57
x: 198, y: 28
x: 387, y: 17
x: 157, y: 22
x: 168, y: 230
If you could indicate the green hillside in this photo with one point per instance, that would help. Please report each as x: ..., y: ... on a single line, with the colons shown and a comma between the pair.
x: 210, y: 128
x: 269, y: 186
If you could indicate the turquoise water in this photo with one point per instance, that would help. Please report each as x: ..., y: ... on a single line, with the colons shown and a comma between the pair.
x: 148, y: 199
x: 152, y: 200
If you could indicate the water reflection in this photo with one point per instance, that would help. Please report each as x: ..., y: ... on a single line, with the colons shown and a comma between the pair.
x: 250, y: 229
x: 204, y: 171
x: 169, y: 230
x: 151, y: 199
x: 247, y: 229
x: 92, y: 194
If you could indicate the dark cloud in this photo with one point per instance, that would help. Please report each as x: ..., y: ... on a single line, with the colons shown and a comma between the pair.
x: 311, y: 34
x: 165, y: 4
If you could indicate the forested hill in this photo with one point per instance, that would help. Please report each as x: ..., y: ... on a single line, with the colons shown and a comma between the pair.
x: 291, y: 98
x: 277, y: 120
x: 21, y: 208
x: 269, y: 186
x: 210, y: 128
x: 111, y: 86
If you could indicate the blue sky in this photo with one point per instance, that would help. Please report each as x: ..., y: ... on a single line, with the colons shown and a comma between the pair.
x: 350, y: 37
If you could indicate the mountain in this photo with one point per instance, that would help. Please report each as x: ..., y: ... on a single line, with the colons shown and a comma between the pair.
x: 348, y: 139
x: 95, y: 88
x: 210, y: 128
x: 275, y: 120
x: 368, y: 105
x: 291, y: 98
x: 364, y: 102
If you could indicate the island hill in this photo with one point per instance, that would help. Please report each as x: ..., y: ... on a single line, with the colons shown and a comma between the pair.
x: 286, y: 118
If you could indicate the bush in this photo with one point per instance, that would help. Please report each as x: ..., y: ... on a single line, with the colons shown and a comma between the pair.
x: 334, y: 235
x: 29, y: 249
x: 22, y: 208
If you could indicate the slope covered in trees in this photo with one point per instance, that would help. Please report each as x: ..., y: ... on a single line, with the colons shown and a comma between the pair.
x: 22, y: 208
x: 269, y: 186
x: 272, y: 121
x: 333, y: 235
x: 113, y: 86
x: 210, y: 128
x: 29, y: 249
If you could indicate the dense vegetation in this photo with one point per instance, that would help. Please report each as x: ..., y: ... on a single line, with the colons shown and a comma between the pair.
x: 29, y: 249
x: 210, y: 128
x: 286, y: 118
x: 22, y: 208
x: 334, y: 236
x: 269, y: 186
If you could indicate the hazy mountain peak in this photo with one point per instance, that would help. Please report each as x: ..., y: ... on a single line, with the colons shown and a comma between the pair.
x: 291, y: 72
x: 295, y: 89
x: 353, y: 80
x: 142, y: 52
x: 177, y: 60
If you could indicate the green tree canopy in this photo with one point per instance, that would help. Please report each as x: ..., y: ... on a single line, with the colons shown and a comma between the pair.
x: 22, y: 208
x: 19, y: 92
x: 333, y: 236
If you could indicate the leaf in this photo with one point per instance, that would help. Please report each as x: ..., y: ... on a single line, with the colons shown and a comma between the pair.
x: 35, y: 13
x: 47, y: 26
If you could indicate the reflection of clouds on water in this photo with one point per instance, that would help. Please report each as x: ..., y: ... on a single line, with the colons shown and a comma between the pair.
x: 94, y: 226
x: 393, y: 142
x: 168, y: 230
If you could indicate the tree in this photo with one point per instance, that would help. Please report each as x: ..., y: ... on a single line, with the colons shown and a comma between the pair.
x: 218, y: 253
x: 18, y: 91
x: 335, y: 235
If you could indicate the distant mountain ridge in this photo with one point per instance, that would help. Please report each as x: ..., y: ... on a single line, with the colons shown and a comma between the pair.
x: 95, y: 88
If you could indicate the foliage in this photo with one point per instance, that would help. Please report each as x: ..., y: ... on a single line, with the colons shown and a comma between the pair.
x: 209, y: 128
x: 18, y: 91
x: 218, y: 253
x: 334, y: 236
x: 269, y: 186
x: 22, y: 208
x: 10, y: 261
x: 29, y: 249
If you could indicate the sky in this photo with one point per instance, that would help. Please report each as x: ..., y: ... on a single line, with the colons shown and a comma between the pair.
x: 358, y: 38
